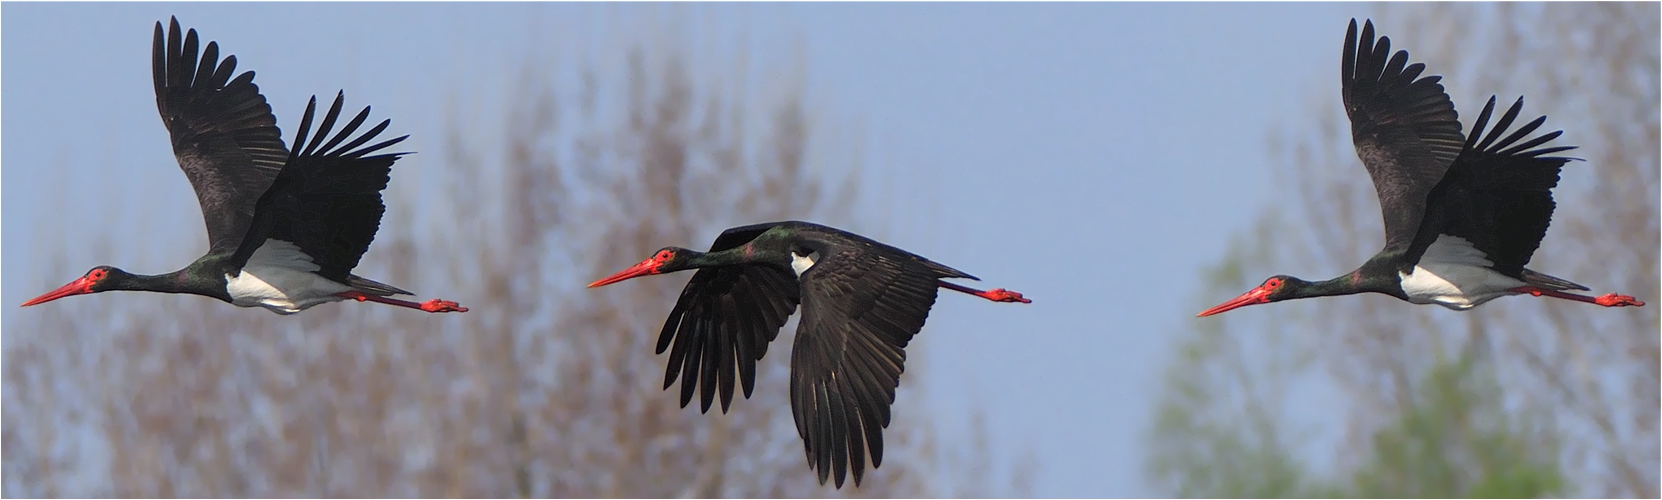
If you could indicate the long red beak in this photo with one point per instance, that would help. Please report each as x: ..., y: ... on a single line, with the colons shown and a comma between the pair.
x: 77, y: 287
x: 1254, y: 297
x: 646, y: 267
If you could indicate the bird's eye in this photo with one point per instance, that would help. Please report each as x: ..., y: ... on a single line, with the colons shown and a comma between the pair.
x: 1272, y: 283
x: 664, y: 255
x: 96, y: 274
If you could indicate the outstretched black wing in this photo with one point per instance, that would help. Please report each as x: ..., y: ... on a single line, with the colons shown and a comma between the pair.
x: 1498, y: 194
x: 860, y: 308
x: 1404, y: 127
x: 724, y: 320
x: 224, y: 135
x: 327, y: 200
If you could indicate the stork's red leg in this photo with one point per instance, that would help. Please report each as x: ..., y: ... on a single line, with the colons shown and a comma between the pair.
x: 432, y: 306
x: 1606, y: 300
x: 995, y: 295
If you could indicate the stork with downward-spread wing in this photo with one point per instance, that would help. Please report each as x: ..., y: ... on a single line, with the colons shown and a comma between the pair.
x: 862, y: 301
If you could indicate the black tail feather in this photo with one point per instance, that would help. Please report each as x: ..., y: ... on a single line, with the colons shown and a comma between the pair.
x: 373, y: 287
x: 1546, y: 282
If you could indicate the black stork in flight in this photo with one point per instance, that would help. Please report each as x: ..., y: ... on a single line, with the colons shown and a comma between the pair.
x: 285, y: 227
x: 862, y: 301
x: 1463, y: 215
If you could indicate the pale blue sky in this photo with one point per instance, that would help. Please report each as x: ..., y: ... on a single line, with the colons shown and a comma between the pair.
x: 1094, y: 156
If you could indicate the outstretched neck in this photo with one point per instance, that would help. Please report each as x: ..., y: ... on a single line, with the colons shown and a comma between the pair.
x: 181, y: 281
x: 1349, y: 284
x: 742, y: 254
x: 732, y: 256
x: 1342, y: 285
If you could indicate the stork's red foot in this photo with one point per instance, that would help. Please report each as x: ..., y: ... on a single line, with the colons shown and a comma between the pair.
x: 1002, y: 295
x: 440, y: 306
x: 1614, y: 300
x: 1606, y: 300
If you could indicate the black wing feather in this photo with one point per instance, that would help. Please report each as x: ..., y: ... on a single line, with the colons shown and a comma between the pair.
x: 723, y: 322
x: 224, y: 135
x: 1498, y: 195
x: 1405, y: 129
x: 860, y: 309
x: 326, y: 201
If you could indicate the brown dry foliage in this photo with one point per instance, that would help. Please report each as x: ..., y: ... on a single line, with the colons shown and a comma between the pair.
x: 543, y: 389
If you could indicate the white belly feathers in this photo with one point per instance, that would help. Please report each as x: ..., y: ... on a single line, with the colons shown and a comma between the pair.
x: 279, y: 277
x: 1454, y: 274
